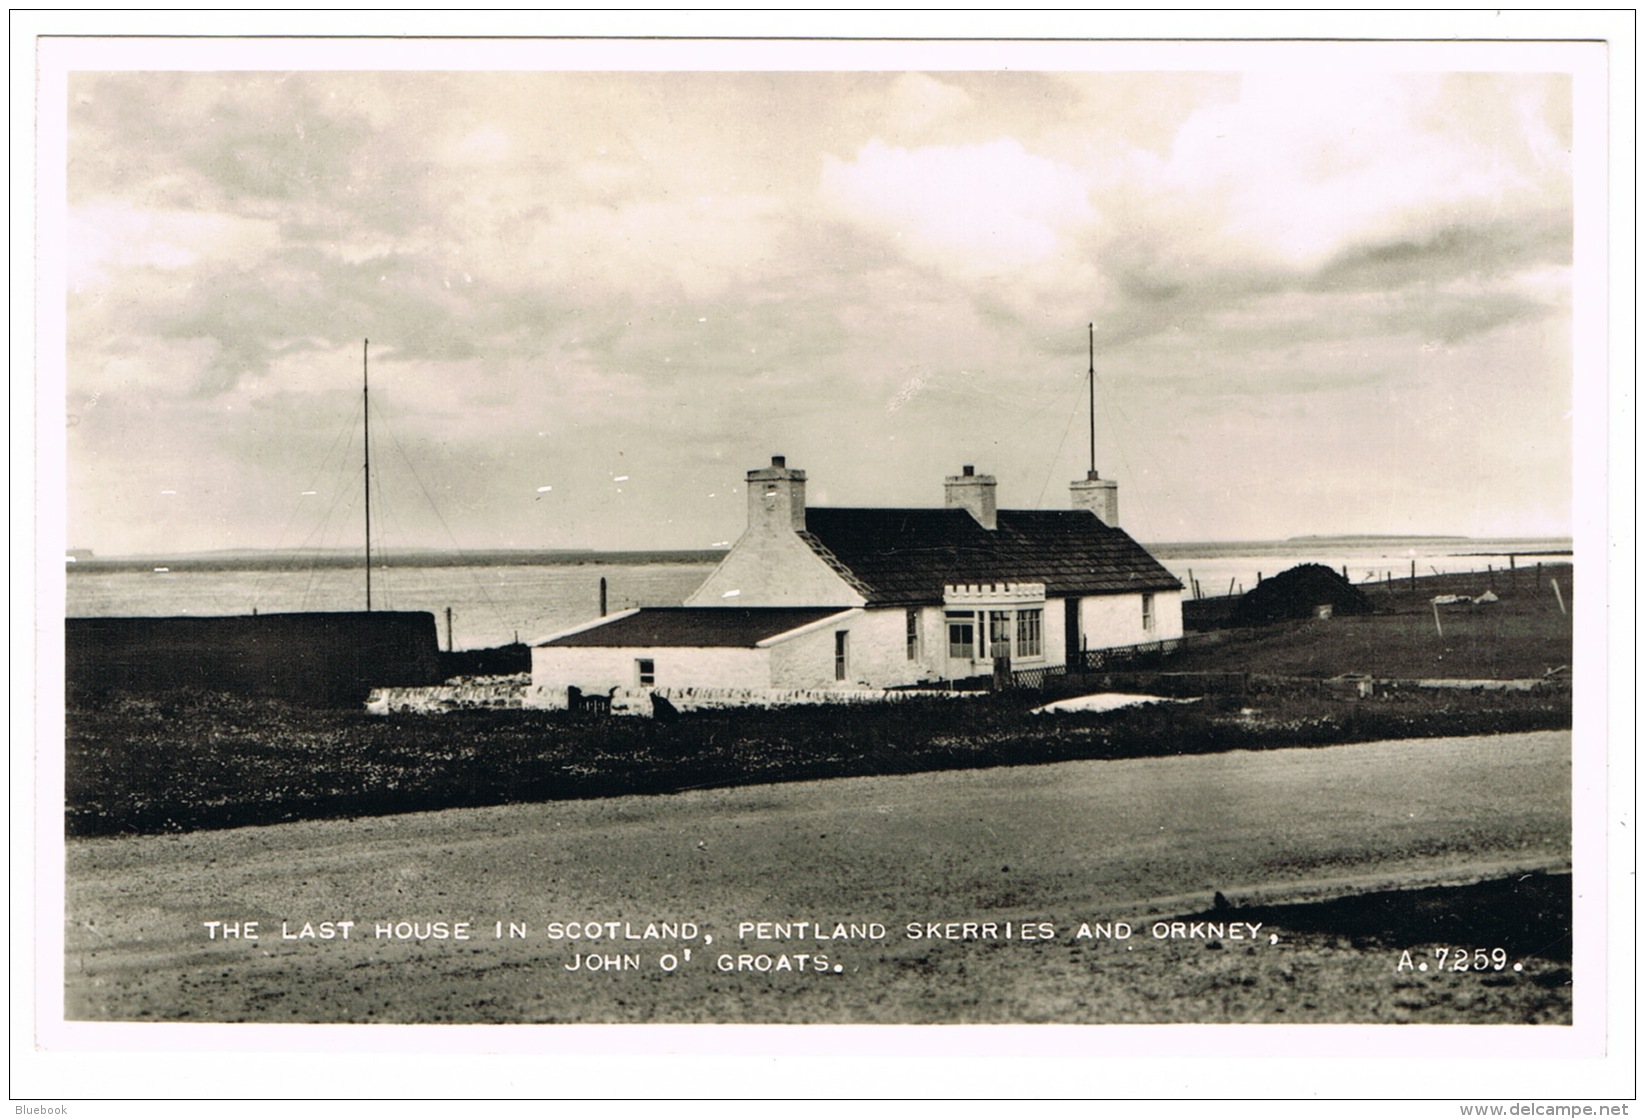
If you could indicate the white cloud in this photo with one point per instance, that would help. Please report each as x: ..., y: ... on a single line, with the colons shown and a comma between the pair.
x: 112, y: 234
x: 695, y: 248
x: 1291, y: 173
x: 918, y: 102
x: 483, y: 145
x: 975, y: 209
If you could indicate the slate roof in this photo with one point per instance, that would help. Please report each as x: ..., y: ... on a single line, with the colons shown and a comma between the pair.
x: 699, y: 627
x: 903, y: 557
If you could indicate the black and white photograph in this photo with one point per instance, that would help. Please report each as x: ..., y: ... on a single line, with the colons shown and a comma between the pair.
x: 1087, y: 543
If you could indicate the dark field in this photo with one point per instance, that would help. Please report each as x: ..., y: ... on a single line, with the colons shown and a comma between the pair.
x: 188, y: 762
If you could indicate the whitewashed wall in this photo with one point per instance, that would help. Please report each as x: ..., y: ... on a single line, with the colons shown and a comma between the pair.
x: 878, y: 656
x: 774, y: 568
x: 598, y: 669
x: 1112, y: 620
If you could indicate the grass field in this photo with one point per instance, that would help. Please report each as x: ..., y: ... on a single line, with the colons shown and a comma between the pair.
x: 1526, y: 634
x: 202, y: 761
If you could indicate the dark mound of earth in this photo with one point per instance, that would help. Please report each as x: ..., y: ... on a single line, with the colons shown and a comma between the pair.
x: 1305, y: 591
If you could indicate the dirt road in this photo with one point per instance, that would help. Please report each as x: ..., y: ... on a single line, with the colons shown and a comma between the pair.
x: 955, y: 896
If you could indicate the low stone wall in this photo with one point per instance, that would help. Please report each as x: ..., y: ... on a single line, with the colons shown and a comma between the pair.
x: 517, y: 692
x: 638, y: 701
x: 490, y: 693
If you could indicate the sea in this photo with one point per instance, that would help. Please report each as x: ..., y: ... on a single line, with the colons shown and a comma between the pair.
x: 495, y: 602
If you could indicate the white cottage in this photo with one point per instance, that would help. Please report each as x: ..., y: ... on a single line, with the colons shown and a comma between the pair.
x: 827, y: 598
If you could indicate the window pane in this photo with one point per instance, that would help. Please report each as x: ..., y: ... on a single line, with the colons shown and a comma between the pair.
x: 999, y: 633
x: 960, y: 643
x: 1028, y: 633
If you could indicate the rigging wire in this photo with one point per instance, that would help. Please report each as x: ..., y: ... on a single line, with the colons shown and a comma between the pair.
x: 1073, y: 414
x: 485, y: 593
x: 343, y: 490
x: 261, y: 585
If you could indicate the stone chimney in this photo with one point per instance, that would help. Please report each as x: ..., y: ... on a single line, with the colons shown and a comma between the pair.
x: 1099, y: 496
x: 972, y: 492
x: 776, y: 498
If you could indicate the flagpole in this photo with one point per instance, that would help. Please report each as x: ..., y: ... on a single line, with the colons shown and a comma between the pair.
x: 365, y: 398
x: 1091, y: 377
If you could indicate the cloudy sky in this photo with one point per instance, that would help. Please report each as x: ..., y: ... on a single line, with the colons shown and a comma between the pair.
x: 1326, y: 302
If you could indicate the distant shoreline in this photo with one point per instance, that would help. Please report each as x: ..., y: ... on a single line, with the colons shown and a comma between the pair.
x: 84, y: 561
x: 304, y: 561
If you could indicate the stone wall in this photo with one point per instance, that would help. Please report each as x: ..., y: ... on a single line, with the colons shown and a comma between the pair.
x: 496, y: 693
x: 637, y: 701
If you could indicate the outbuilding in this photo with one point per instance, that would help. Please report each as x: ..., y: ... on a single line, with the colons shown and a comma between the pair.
x: 681, y: 647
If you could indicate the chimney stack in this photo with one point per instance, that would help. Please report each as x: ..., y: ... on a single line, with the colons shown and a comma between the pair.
x: 1099, y: 496
x: 776, y: 498
x: 972, y: 492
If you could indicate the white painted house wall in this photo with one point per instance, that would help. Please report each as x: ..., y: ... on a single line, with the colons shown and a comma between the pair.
x: 1113, y: 620
x: 877, y: 654
x: 597, y: 670
x: 774, y: 569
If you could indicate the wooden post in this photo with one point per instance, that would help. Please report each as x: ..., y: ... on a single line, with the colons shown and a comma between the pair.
x: 1437, y: 627
x: 602, y: 596
x: 449, y: 645
x: 1557, y: 595
x: 1513, y: 571
x: 1231, y: 585
x: 1191, y: 589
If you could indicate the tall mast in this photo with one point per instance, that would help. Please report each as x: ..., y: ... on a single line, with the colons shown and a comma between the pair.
x: 365, y: 397
x: 1091, y: 378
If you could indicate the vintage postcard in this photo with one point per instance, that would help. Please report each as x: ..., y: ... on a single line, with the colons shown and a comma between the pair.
x: 1074, y: 545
